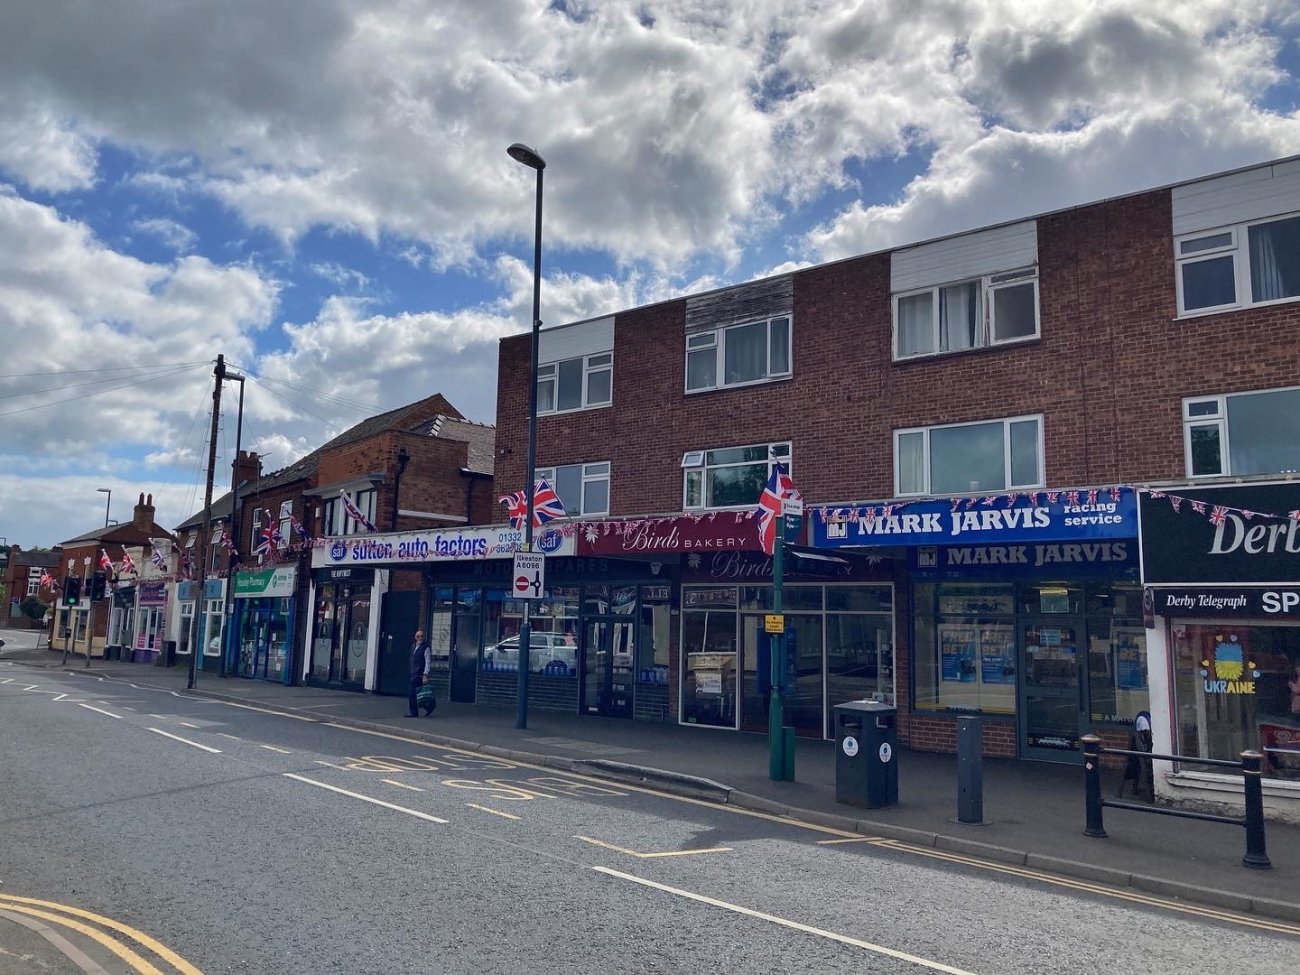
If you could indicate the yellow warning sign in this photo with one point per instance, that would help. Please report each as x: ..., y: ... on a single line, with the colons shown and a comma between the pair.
x: 774, y: 623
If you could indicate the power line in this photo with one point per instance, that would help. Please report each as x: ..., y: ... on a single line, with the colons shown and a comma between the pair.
x: 77, y: 372
x: 129, y: 381
x: 283, y: 398
x: 341, y: 401
x: 93, y: 382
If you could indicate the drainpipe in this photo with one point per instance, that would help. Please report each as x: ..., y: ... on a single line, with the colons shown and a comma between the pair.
x: 403, y: 458
x: 471, y: 476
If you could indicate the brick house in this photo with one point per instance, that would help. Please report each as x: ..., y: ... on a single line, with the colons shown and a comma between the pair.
x: 88, y: 621
x: 421, y: 466
x: 23, y: 572
x: 970, y: 420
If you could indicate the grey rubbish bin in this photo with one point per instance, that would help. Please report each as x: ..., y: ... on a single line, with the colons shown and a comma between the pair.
x: 866, y: 768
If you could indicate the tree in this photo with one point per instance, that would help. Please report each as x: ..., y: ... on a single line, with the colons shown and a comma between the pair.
x: 33, y: 608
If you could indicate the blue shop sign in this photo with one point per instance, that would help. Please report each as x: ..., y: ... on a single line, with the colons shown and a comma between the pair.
x: 994, y: 519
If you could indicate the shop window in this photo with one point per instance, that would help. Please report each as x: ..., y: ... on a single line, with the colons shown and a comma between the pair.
x: 731, y: 477
x: 653, y: 636
x: 439, y: 630
x: 1240, y: 434
x: 969, y: 457
x: 754, y: 352
x: 965, y: 653
x: 1239, y: 266
x: 1237, y: 687
x: 575, y: 384
x: 989, y: 310
x: 709, y: 681
x: 583, y: 488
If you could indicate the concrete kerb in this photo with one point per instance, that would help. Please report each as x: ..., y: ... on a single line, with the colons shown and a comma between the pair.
x: 695, y: 787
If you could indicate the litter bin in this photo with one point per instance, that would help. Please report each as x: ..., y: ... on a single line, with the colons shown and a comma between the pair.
x: 866, y: 773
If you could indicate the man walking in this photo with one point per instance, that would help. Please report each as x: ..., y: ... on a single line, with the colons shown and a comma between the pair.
x: 421, y: 667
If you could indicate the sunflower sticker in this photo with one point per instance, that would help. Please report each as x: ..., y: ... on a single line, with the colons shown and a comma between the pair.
x: 1226, y: 669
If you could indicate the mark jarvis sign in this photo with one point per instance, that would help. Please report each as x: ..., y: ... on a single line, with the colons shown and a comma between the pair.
x: 1183, y: 545
x: 1058, y: 516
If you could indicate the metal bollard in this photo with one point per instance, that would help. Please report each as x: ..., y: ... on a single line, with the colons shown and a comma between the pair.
x: 1251, y: 773
x: 1092, y: 784
x: 970, y: 770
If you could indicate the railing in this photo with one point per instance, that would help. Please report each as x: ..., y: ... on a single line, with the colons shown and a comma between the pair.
x: 1250, y: 768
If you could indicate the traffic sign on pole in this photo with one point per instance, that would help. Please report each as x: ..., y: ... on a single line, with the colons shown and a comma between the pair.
x: 528, y: 581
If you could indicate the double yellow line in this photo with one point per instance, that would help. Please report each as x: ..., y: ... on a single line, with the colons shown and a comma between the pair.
x: 75, y: 919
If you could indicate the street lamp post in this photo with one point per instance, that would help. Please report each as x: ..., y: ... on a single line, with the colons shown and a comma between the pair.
x: 90, y: 606
x: 67, y: 613
x: 107, y: 502
x: 235, y: 529
x: 529, y: 157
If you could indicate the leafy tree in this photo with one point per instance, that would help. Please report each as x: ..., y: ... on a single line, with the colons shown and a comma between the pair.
x: 32, y: 607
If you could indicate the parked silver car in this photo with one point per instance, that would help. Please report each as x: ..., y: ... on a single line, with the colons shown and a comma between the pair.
x: 545, y: 650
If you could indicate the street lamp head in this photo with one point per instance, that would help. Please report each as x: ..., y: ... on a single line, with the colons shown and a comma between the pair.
x: 103, y: 490
x: 529, y: 157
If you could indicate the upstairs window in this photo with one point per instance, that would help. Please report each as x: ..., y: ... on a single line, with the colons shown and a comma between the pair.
x: 989, y: 310
x: 731, y: 477
x: 286, y: 524
x: 1240, y: 266
x: 583, y: 488
x: 1242, y: 433
x: 962, y: 458
x: 738, y: 355
x: 575, y: 384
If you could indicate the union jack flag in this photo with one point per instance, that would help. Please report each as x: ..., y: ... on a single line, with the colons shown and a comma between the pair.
x: 128, y: 563
x: 105, y: 562
x: 355, y: 513
x: 228, y: 543
x: 547, y: 505
x: 159, y: 560
x: 269, y: 538
x: 771, y: 504
x: 1092, y: 496
x: 1198, y: 507
x: 187, y: 568
x: 1175, y: 502
x: 1294, y: 515
x: 47, y: 579
x: 1072, y: 497
x: 1218, y: 515
x: 1053, y: 497
x: 1115, y: 493
x: 297, y: 527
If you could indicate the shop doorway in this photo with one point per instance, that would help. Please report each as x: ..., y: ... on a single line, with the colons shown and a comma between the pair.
x: 399, y: 620
x: 607, y: 655
x: 466, y: 641
x: 1052, y: 709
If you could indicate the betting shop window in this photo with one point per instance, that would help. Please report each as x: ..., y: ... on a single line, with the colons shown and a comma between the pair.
x: 965, y: 653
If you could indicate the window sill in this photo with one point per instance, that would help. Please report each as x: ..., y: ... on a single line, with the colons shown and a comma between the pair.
x: 576, y: 409
x: 1231, y: 783
x: 929, y: 356
x: 1229, y: 309
x: 748, y: 385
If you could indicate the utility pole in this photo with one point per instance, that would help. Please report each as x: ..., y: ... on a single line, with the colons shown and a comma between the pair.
x: 219, y: 373
x: 236, y: 528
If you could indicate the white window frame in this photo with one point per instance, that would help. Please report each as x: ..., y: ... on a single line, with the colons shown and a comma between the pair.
x: 592, y: 363
x: 365, y: 502
x: 780, y: 451
x: 256, y: 533
x: 1039, y: 482
x: 591, y: 472
x: 989, y: 284
x: 697, y: 342
x: 34, y: 580
x: 1238, y: 248
x: 1217, y: 417
x: 286, y: 523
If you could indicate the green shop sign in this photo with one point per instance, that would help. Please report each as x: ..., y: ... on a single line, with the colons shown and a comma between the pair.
x: 276, y: 580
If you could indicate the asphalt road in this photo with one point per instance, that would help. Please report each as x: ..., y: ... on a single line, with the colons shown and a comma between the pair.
x: 250, y: 842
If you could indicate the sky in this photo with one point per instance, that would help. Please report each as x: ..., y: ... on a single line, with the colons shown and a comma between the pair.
x: 319, y: 190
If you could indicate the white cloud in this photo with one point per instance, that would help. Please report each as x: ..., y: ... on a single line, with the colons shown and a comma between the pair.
x: 43, y: 151
x: 175, y: 235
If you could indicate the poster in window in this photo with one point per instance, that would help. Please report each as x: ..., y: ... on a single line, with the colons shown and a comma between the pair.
x: 1130, y: 659
x: 997, y: 655
x: 957, y: 646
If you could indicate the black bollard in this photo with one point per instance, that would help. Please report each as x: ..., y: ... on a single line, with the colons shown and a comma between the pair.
x: 1256, y: 857
x: 1092, y: 786
x: 970, y: 770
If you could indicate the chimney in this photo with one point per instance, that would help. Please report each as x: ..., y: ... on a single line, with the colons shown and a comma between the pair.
x: 142, y: 516
x: 247, y: 467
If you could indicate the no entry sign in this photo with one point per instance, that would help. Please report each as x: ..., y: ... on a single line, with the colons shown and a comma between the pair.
x: 528, y: 581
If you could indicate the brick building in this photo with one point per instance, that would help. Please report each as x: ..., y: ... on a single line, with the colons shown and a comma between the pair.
x: 22, y: 576
x: 419, y: 467
x: 971, y: 420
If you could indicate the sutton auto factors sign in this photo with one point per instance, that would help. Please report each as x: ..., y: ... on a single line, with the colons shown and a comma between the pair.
x: 439, y: 545
x: 995, y: 519
x: 1181, y: 545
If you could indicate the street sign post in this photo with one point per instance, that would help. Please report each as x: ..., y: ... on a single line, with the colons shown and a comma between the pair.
x: 528, y: 580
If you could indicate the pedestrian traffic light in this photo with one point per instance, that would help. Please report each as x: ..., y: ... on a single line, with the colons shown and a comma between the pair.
x: 71, y: 591
x: 98, y: 586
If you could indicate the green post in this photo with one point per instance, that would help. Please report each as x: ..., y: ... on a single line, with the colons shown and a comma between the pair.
x: 780, y: 740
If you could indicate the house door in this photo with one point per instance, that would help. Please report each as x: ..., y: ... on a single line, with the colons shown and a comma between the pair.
x: 607, y: 666
x: 399, y: 619
x: 1052, y: 711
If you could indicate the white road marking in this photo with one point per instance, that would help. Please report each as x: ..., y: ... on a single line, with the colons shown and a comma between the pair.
x: 402, y: 785
x: 272, y: 748
x: 357, y: 795
x: 186, y: 724
x: 786, y: 923
x: 231, y: 737
x: 168, y: 734
x: 494, y: 812
x: 125, y: 708
x: 856, y: 839
x: 89, y: 707
x: 59, y: 698
x: 249, y: 707
x: 651, y: 856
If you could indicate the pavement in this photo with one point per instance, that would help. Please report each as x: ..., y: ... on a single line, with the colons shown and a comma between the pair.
x: 1033, y: 811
